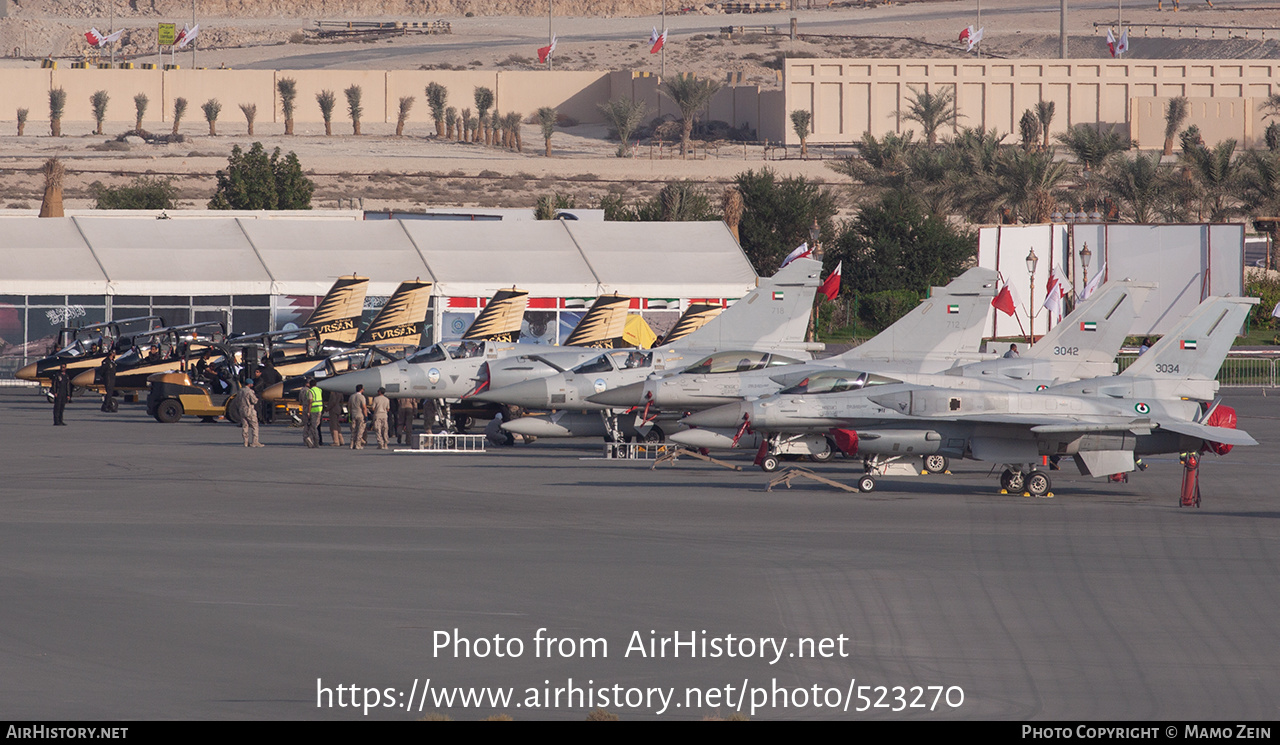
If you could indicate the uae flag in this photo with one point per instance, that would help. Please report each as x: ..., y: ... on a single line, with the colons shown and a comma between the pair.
x: 1088, y: 325
x: 778, y: 295
x: 953, y: 310
x: 1188, y: 343
x: 545, y: 52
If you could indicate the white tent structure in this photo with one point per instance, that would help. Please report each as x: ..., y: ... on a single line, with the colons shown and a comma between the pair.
x: 257, y: 274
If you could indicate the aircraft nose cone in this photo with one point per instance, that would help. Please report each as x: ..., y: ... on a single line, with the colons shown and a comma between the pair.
x: 84, y: 379
x: 531, y: 394
x: 729, y: 415
x: 346, y: 383
x: 27, y: 372
x: 273, y: 392
x: 627, y: 395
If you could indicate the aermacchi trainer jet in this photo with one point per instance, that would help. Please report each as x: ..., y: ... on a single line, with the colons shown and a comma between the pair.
x: 766, y: 325
x: 398, y: 326
x: 160, y: 350
x: 1084, y: 344
x: 1160, y: 404
x: 84, y: 347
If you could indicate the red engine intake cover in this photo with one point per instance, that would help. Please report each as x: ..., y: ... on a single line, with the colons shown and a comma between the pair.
x: 1223, y: 416
x: 846, y: 440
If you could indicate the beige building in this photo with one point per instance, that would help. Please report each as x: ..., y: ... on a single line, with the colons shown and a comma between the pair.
x: 851, y: 96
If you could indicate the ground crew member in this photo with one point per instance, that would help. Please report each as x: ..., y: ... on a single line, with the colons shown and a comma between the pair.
x: 60, y: 386
x: 246, y: 407
x: 404, y: 419
x: 357, y: 410
x: 381, y: 410
x: 109, y: 382
x: 312, y: 400
x: 1012, y: 353
x: 335, y: 419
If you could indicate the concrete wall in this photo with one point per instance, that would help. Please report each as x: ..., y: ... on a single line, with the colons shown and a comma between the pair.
x: 851, y: 96
x: 1219, y: 119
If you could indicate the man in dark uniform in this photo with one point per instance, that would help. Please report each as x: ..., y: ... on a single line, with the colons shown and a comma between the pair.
x: 109, y: 382
x: 61, y: 388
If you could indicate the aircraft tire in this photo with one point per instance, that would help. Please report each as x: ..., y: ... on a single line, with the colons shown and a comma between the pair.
x: 229, y: 413
x: 655, y: 435
x: 169, y: 411
x: 1012, y: 480
x: 1038, y: 483
x: 936, y: 463
x: 866, y: 484
x: 769, y: 464
x: 825, y: 455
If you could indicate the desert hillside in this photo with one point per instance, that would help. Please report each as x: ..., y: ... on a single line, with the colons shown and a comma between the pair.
x: 329, y: 8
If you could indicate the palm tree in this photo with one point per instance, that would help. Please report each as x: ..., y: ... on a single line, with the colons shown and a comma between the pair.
x: 406, y: 103
x: 57, y: 105
x: 1091, y: 147
x: 1175, y: 115
x: 1044, y: 114
x: 1027, y: 184
x: 438, y: 101
x: 22, y: 120
x: 250, y: 111
x: 1262, y: 194
x: 625, y: 116
x: 140, y: 102
x: 484, y: 102
x: 288, y: 88
x: 931, y: 110
x: 1029, y: 130
x: 547, y: 118
x: 211, y: 110
x: 327, y: 100
x: 690, y: 94
x: 1216, y: 175
x: 515, y: 142
x: 354, y: 94
x: 800, y: 121
x: 179, y: 109
x: 464, y: 131
x: 99, y: 102
x: 450, y: 122
x: 1137, y: 183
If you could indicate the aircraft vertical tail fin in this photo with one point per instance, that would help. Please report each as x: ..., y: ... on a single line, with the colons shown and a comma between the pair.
x: 946, y: 324
x: 1195, y: 348
x: 402, y: 320
x: 337, y: 317
x: 695, y: 317
x: 775, y: 314
x: 1091, y: 335
x: 501, y: 318
x: 604, y: 324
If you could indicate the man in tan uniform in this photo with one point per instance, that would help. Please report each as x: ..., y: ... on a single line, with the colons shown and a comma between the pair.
x: 381, y: 409
x: 357, y: 410
x: 246, y: 408
x: 404, y: 420
x: 335, y: 419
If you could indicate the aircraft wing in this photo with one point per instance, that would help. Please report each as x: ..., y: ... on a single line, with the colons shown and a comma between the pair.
x: 1224, y: 435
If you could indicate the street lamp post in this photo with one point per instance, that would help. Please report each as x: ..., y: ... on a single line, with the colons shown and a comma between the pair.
x: 1085, y: 253
x: 1032, y: 260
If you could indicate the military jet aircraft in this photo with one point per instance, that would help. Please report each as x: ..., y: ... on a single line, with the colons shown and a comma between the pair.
x: 81, y: 348
x: 945, y: 327
x: 777, y: 310
x: 1084, y: 344
x: 445, y: 371
x: 1102, y: 422
x: 159, y: 350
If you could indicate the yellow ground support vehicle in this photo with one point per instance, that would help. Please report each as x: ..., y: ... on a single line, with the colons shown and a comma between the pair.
x: 173, y: 395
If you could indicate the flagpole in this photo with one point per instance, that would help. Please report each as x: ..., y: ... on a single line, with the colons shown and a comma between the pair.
x: 1062, y: 30
x: 112, y: 31
x: 551, y: 35
x: 193, y: 43
x: 978, y: 25
x: 663, y: 73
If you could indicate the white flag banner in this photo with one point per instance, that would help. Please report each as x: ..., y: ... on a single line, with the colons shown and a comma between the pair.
x: 1094, y: 283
